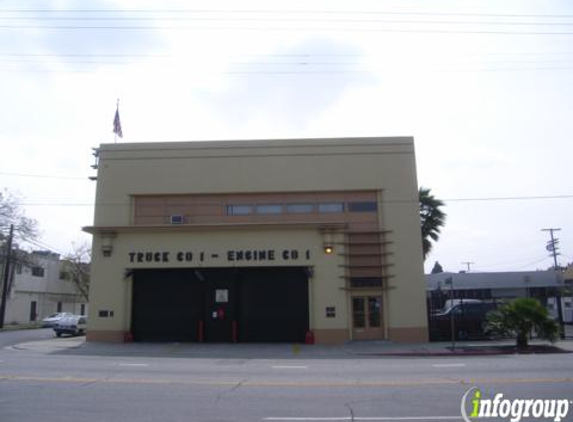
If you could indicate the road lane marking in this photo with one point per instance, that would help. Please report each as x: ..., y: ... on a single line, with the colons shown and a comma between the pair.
x: 364, y: 418
x: 133, y: 364
x: 448, y: 365
x: 289, y: 367
x: 278, y: 418
x: 285, y: 384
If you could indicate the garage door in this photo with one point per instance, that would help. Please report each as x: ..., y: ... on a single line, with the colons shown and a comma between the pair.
x: 167, y: 305
x: 221, y: 305
x: 273, y: 305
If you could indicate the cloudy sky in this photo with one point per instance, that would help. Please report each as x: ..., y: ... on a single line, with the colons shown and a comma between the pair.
x: 485, y: 87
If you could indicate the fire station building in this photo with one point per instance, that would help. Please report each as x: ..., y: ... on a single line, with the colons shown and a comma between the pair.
x: 257, y: 241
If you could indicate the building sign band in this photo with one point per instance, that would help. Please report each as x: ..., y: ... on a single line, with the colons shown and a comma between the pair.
x: 232, y: 255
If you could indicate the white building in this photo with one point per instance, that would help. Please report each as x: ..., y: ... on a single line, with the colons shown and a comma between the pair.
x: 39, y: 288
x: 545, y: 286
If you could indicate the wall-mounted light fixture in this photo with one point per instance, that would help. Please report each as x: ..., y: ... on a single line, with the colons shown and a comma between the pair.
x: 327, y: 242
x: 107, y: 243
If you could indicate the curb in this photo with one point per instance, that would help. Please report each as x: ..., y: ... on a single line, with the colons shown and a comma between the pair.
x: 475, y: 352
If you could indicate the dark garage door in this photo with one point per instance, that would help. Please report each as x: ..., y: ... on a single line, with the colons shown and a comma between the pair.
x: 273, y: 305
x: 221, y: 305
x: 167, y: 305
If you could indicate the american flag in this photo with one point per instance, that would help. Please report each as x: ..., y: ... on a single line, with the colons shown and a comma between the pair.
x: 117, y: 124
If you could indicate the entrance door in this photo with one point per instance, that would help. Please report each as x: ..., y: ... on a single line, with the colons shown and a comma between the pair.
x: 367, y: 318
x: 33, y: 313
x: 220, y: 303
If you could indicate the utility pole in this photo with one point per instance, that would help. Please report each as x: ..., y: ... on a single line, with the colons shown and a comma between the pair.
x: 468, y: 263
x: 552, y: 246
x: 7, y: 258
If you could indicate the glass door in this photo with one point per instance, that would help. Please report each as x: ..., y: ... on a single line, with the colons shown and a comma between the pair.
x: 367, y: 318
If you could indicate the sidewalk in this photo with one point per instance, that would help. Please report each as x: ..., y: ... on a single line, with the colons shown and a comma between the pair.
x: 464, y: 348
x: 350, y: 350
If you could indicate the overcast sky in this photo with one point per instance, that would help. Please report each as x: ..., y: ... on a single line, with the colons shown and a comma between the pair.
x: 484, y: 87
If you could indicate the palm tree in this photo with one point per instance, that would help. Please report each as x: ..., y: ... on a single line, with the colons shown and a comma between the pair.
x: 519, y: 317
x: 432, y: 219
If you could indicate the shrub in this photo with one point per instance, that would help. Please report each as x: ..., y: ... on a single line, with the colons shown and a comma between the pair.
x: 519, y: 317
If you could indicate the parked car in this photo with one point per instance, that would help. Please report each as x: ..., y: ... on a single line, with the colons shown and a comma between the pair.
x: 74, y: 325
x: 452, y: 302
x: 469, y: 321
x: 51, y: 320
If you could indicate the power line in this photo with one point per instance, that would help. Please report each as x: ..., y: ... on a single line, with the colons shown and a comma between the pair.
x: 511, y: 263
x: 43, y: 176
x: 284, y: 55
x: 267, y: 19
x: 308, y: 72
x: 468, y: 263
x: 300, y: 65
x: 287, y: 11
x: 282, y: 29
x: 534, y: 262
x: 510, y: 198
x: 44, y: 246
x: 299, y: 62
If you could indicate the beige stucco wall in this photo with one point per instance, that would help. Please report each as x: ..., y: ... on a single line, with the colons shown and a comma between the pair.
x: 114, y: 292
x: 304, y: 165
x: 252, y: 166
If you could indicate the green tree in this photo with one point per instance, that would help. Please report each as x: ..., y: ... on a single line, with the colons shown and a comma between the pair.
x: 519, y: 318
x: 432, y: 219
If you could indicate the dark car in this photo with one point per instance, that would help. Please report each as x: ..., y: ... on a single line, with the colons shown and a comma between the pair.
x: 469, y: 321
x: 74, y: 325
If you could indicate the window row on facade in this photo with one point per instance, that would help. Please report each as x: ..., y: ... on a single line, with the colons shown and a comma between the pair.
x: 302, y: 208
x: 35, y: 270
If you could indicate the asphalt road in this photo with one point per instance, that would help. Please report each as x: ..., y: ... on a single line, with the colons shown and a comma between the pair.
x: 10, y: 337
x: 176, y: 383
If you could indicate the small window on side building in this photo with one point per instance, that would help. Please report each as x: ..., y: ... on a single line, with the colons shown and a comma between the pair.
x: 331, y: 207
x: 300, y: 208
x: 269, y: 209
x: 369, y: 206
x: 239, y: 209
